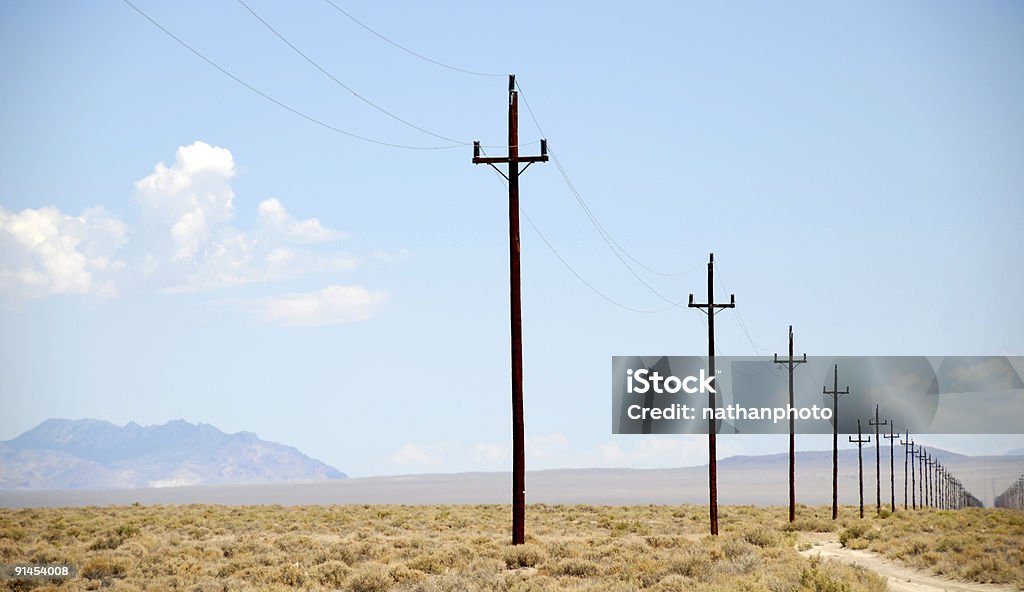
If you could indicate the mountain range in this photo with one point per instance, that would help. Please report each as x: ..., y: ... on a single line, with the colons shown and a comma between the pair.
x: 94, y: 454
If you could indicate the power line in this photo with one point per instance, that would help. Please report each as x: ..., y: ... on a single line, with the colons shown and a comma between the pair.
x: 342, y: 84
x: 593, y: 219
x: 572, y: 270
x: 354, y: 92
x: 277, y: 102
x: 406, y: 49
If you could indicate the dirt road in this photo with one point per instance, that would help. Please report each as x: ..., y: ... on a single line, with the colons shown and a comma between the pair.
x: 900, y: 578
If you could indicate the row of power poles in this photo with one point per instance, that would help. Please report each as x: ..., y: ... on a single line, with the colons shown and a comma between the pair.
x: 942, y: 489
x: 930, y: 484
x: 1013, y: 497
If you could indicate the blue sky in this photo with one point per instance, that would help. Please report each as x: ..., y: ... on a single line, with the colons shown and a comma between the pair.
x: 175, y: 246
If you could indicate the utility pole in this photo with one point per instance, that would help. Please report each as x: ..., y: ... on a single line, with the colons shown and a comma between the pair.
x: 709, y: 309
x: 878, y: 461
x: 891, y: 437
x: 943, y: 475
x: 791, y: 364
x: 908, y: 458
x: 835, y: 392
x: 929, y: 462
x: 921, y: 455
x: 860, y: 442
x: 513, y: 159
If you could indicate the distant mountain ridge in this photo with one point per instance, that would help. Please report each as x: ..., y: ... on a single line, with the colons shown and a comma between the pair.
x: 95, y: 454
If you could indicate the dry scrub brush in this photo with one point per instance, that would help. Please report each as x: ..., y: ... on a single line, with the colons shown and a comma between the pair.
x: 370, y: 548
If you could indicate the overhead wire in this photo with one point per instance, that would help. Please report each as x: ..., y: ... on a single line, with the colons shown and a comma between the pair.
x: 606, y: 236
x: 743, y: 326
x: 275, y: 101
x: 353, y: 91
x: 406, y: 49
x: 572, y: 270
x: 342, y: 84
x: 586, y: 208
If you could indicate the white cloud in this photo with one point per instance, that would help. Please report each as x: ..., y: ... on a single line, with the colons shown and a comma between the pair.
x: 273, y: 216
x: 329, y: 306
x: 190, y: 204
x: 193, y: 195
x: 410, y: 454
x: 43, y: 252
x: 185, y: 241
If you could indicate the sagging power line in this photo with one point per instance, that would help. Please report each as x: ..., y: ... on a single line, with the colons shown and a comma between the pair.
x: 353, y: 91
x: 276, y: 101
x: 406, y: 49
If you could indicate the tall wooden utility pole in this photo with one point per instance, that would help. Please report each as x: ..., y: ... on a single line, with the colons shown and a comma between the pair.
x: 709, y: 309
x: 513, y: 159
x: 908, y: 459
x: 891, y: 437
x: 835, y: 392
x: 860, y: 442
x: 791, y: 364
x: 878, y: 461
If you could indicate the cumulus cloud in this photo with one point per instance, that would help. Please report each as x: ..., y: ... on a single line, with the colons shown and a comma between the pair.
x: 329, y: 306
x: 191, y: 202
x: 186, y: 240
x: 194, y: 194
x: 44, y: 251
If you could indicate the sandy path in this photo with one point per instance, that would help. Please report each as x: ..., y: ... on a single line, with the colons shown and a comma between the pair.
x: 900, y: 578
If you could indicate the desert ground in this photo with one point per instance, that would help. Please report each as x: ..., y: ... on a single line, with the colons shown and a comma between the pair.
x: 366, y: 548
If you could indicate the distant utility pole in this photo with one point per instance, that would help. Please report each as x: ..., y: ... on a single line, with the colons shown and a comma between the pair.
x: 941, y: 501
x: 929, y: 462
x: 878, y: 461
x: 921, y: 455
x: 709, y: 309
x: 908, y: 458
x: 860, y: 442
x: 891, y: 437
x: 513, y: 159
x: 835, y: 392
x: 791, y: 364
